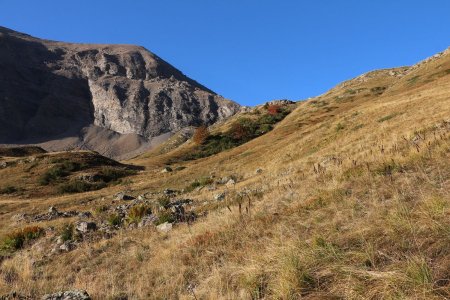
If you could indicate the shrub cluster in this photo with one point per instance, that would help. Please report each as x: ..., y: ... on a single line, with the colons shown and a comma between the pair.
x: 242, y: 131
x: 16, y: 240
x: 59, y: 171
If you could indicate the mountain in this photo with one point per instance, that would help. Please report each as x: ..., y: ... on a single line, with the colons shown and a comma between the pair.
x: 115, y: 99
x: 341, y: 196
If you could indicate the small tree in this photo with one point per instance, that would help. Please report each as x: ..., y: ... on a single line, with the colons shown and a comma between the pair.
x: 200, y: 135
x: 273, y: 109
x: 238, y: 132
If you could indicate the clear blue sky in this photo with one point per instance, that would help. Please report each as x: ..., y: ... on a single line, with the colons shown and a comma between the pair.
x: 251, y: 50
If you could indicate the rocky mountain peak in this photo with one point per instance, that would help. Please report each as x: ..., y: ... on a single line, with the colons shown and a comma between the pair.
x: 66, y: 95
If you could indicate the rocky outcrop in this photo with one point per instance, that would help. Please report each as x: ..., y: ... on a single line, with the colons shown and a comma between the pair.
x: 68, y: 295
x: 63, y: 95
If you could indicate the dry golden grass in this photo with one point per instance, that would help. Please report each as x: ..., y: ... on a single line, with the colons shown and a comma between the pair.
x: 353, y: 202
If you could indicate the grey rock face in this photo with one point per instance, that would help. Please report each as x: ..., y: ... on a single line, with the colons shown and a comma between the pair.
x: 68, y: 295
x: 53, y: 91
x: 86, y: 226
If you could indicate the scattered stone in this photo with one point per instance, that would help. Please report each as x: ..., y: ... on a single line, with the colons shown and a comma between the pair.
x: 223, y: 180
x: 68, y: 295
x: 123, y: 196
x: 147, y: 221
x: 86, y: 226
x: 169, y: 192
x: 166, y: 170
x: 211, y: 187
x: 231, y: 182
x: 259, y: 171
x: 219, y: 197
x: 14, y: 296
x: 84, y: 215
x: 164, y: 227
x: 52, y: 210
x: 52, y: 214
x: 66, y: 247
x: 19, y: 218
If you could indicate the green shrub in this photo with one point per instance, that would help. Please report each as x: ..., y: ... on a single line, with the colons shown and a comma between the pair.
x: 52, y: 175
x: 386, y: 118
x: 242, y: 131
x: 110, y: 174
x: 67, y: 233
x: 164, y: 217
x: 8, y: 190
x: 339, y: 127
x: 136, y: 213
x: 101, y: 209
x: 164, y: 201
x: 17, y: 239
x: 79, y: 186
x: 63, y: 169
x: 198, y: 183
x: 114, y: 220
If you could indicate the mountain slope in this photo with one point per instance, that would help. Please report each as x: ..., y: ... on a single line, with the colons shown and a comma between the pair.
x: 61, y: 95
x: 351, y: 201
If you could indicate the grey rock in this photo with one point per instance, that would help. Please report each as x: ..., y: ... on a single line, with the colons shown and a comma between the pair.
x: 84, y: 215
x: 67, y: 246
x: 231, y: 182
x: 85, y: 226
x: 259, y: 171
x: 164, y: 227
x: 14, y: 296
x: 166, y: 170
x: 68, y: 295
x: 119, y: 97
x: 169, y: 192
x: 147, y: 221
x: 122, y: 196
x: 219, y: 197
x: 52, y: 210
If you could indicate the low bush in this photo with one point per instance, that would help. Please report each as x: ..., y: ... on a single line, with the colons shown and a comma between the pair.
x: 8, y: 190
x: 16, y: 240
x: 136, y: 213
x: 241, y: 131
x: 164, y: 217
x: 67, y: 233
x: 110, y: 174
x: 114, y: 220
x: 79, y: 186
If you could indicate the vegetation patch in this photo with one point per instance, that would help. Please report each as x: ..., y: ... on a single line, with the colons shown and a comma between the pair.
x: 9, y: 190
x: 17, y: 240
x: 243, y: 130
x: 387, y: 118
x: 79, y: 186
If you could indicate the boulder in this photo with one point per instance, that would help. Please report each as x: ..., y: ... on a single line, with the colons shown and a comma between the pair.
x: 166, y: 170
x: 168, y: 192
x: 147, y: 221
x: 122, y: 196
x: 66, y: 247
x: 219, y: 197
x: 86, y: 226
x: 164, y: 227
x: 68, y: 295
x: 259, y: 171
x: 231, y: 182
x: 52, y: 210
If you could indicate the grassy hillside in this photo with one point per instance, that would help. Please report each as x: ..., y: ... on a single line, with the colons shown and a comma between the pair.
x: 347, y: 197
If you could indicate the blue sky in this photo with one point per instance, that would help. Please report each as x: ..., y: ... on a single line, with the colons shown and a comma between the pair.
x: 251, y: 51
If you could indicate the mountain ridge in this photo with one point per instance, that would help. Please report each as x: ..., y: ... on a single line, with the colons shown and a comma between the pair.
x: 51, y: 92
